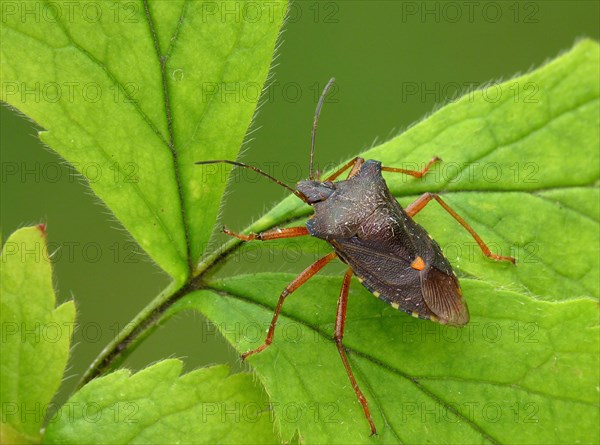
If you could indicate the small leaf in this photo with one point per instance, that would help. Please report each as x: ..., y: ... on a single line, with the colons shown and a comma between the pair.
x: 157, y: 405
x: 135, y: 96
x: 35, y: 335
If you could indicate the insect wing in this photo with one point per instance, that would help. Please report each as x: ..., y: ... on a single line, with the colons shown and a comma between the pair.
x: 429, y: 293
x: 443, y: 296
x: 387, y: 276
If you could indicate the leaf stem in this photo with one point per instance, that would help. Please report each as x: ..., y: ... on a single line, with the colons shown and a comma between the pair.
x: 148, y: 318
x: 145, y: 321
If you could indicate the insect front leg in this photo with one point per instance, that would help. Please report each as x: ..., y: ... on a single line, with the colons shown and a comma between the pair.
x: 290, y: 232
x: 309, y: 272
x: 415, y: 173
x: 424, y: 199
x: 340, y: 323
x: 354, y: 163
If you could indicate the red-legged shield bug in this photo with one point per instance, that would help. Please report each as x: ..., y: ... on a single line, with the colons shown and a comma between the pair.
x: 390, y: 254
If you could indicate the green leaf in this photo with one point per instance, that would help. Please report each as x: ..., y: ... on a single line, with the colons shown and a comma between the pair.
x: 524, y: 171
x: 522, y: 371
x: 137, y: 93
x: 157, y: 405
x: 35, y: 335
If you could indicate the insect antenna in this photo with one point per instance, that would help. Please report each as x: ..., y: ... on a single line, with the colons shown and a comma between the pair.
x: 314, y: 128
x: 257, y: 170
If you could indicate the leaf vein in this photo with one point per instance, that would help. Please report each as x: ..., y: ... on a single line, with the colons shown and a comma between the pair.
x: 506, y: 385
x: 162, y: 60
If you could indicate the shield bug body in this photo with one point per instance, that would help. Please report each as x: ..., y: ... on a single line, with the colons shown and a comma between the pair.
x: 390, y: 254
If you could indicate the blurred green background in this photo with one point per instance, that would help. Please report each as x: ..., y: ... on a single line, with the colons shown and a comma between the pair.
x: 395, y: 62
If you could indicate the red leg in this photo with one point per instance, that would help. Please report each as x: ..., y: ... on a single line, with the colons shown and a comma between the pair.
x: 340, y: 321
x: 298, y: 281
x: 354, y: 163
x: 422, y: 201
x: 290, y: 232
x: 357, y: 162
x: 416, y: 174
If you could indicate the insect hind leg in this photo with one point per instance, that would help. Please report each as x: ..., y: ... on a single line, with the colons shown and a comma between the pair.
x: 340, y: 322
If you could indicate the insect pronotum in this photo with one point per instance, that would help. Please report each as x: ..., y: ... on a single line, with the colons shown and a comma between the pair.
x: 390, y: 254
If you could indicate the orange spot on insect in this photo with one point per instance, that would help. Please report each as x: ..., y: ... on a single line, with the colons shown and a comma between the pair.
x: 418, y: 263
